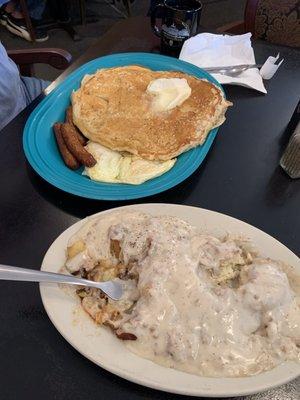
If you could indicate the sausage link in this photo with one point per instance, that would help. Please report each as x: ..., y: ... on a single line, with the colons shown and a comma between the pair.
x: 69, y: 120
x: 79, y: 152
x: 67, y: 156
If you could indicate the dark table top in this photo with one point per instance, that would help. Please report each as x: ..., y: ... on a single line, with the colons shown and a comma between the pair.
x: 240, y: 177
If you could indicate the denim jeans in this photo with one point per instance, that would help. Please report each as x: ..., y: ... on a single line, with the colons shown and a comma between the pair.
x: 33, y: 87
x: 35, y: 7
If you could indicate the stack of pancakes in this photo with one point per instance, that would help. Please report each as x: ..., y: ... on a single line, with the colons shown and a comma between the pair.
x: 112, y: 108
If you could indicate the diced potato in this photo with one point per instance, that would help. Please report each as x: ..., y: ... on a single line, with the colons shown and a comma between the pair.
x: 75, y: 249
x: 104, y: 271
x: 109, y: 274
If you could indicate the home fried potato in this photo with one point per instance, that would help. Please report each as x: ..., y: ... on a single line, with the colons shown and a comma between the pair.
x: 75, y: 249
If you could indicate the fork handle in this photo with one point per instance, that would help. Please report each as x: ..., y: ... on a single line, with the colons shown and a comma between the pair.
x: 10, y: 273
x: 241, y: 67
x: 7, y: 272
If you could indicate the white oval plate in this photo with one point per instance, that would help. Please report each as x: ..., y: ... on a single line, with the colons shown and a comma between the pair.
x: 99, y: 345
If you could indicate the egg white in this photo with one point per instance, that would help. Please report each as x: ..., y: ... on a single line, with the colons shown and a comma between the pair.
x: 115, y: 167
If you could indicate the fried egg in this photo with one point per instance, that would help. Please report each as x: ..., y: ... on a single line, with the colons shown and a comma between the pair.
x: 115, y: 167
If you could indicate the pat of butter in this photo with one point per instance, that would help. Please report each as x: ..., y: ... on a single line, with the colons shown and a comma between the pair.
x: 168, y: 93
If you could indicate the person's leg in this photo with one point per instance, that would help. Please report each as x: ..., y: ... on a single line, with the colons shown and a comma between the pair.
x: 33, y: 87
x: 6, y: 8
x: 36, y: 8
x: 15, y: 22
x: 9, y: 5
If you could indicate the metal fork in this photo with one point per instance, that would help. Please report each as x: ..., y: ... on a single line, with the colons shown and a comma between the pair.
x: 110, y: 288
x: 233, y: 69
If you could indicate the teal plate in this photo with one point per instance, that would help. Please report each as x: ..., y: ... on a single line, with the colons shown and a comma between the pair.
x: 42, y: 153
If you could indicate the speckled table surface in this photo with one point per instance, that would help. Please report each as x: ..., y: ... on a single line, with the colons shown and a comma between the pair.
x: 240, y: 177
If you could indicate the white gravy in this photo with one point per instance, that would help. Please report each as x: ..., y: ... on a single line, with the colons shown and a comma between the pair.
x: 183, y: 319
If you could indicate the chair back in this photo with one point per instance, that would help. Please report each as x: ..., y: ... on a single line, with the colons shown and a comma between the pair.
x: 276, y: 21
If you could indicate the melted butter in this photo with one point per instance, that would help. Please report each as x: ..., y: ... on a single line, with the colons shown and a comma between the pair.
x: 183, y: 319
x: 168, y: 93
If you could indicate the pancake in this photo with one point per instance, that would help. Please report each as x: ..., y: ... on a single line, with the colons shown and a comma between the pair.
x: 113, y: 108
